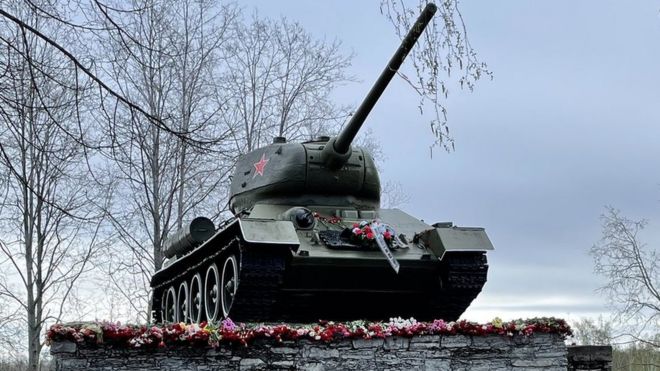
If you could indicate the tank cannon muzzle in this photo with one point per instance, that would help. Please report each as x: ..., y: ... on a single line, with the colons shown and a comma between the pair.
x: 338, y: 149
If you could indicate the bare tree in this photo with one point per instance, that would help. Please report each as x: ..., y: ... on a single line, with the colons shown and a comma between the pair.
x: 631, y: 270
x: 11, y: 327
x: 392, y: 195
x: 48, y: 233
x: 444, y: 50
x: 279, y: 79
x: 164, y: 57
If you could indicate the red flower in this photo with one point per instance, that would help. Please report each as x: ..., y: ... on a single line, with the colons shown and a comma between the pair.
x: 367, y: 229
x: 370, y: 236
x: 387, y: 235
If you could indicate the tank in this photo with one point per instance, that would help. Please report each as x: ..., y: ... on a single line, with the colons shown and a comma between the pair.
x: 309, y: 241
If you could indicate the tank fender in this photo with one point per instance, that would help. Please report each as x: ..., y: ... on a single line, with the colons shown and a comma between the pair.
x: 448, y: 239
x: 265, y: 231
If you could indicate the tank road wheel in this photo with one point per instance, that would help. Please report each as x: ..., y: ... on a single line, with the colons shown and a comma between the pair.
x: 212, y: 293
x: 195, y: 308
x: 229, y: 284
x: 182, y: 307
x: 170, y: 305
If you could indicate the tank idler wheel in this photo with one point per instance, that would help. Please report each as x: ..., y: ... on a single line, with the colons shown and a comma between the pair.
x: 212, y: 293
x: 229, y: 284
x: 182, y: 307
x: 195, y: 307
x: 170, y: 304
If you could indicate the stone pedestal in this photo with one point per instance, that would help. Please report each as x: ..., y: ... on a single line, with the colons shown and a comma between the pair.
x: 430, y: 352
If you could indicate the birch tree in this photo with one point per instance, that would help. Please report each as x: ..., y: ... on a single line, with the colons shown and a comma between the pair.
x: 164, y: 58
x: 48, y: 232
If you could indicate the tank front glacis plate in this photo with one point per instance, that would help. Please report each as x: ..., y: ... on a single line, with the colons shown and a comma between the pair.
x: 311, y: 248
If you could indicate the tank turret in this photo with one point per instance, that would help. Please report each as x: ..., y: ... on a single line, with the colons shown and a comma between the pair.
x: 309, y: 240
x: 330, y: 170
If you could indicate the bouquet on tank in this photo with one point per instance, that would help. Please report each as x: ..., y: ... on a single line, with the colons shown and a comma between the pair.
x: 366, y: 233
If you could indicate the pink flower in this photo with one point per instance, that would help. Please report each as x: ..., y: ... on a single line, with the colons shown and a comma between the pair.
x: 228, y: 325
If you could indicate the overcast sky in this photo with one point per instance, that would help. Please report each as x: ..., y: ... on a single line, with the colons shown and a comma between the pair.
x: 570, y: 123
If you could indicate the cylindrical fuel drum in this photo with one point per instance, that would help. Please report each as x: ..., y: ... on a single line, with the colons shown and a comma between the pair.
x: 188, y: 237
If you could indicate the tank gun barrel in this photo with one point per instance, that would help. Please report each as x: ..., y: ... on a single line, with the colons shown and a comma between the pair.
x: 342, y: 143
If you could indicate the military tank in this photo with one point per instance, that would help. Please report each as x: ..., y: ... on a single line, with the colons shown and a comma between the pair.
x: 308, y: 240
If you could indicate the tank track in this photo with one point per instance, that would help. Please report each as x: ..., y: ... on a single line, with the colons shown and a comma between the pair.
x: 261, y: 273
x: 260, y: 279
x: 463, y: 276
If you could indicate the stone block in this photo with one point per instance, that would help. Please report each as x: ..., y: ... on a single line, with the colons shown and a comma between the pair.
x: 367, y: 343
x: 357, y: 354
x: 424, y: 346
x: 282, y: 364
x: 491, y: 342
x: 396, y: 342
x: 252, y: 364
x: 312, y: 367
x: 425, y: 343
x: 284, y: 350
x: 487, y: 365
x: 455, y: 341
x: 63, y: 347
x: 436, y: 364
x: 541, y: 362
x: 74, y: 364
x: 434, y: 353
x: 317, y: 352
x: 435, y: 339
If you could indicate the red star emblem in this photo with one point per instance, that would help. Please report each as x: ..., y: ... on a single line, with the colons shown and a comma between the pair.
x: 259, y: 166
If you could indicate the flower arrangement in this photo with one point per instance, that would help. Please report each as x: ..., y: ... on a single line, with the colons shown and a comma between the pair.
x: 228, y: 332
x: 365, y: 232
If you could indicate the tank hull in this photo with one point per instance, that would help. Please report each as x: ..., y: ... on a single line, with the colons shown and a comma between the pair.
x: 307, y: 281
